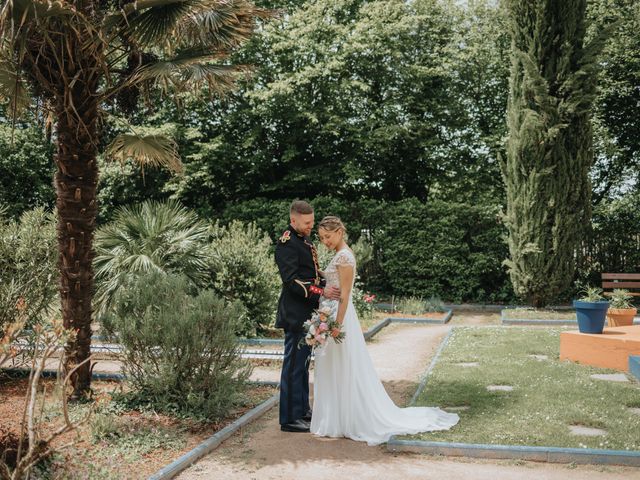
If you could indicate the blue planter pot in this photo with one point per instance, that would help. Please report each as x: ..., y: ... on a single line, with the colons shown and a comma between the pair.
x: 591, y: 315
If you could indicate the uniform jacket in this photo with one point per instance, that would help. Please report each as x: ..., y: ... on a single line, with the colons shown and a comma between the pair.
x: 302, y: 284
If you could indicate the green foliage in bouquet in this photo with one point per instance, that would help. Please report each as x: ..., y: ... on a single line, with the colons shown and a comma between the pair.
x: 180, y: 349
x: 28, y: 267
x: 241, y: 267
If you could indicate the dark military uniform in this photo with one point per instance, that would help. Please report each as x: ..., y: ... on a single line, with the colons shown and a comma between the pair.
x: 302, y: 287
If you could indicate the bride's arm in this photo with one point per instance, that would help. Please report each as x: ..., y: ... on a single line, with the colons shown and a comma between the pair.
x: 345, y: 273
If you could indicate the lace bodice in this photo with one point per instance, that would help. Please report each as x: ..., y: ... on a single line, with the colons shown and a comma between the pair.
x: 343, y: 257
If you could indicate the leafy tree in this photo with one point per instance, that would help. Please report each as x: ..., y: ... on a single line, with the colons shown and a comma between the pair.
x: 25, y: 169
x: 549, y: 149
x: 81, y: 56
x: 616, y: 121
x: 355, y: 101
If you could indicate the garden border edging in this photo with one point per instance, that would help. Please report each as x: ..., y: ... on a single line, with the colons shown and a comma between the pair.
x: 369, y: 334
x: 211, y: 443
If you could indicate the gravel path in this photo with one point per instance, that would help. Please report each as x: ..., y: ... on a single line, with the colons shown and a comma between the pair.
x: 400, y: 353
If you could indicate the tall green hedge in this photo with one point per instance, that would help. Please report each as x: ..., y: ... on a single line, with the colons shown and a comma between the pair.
x: 445, y: 249
x: 451, y: 250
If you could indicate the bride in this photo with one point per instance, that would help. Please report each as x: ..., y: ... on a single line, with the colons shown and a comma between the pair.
x: 349, y: 399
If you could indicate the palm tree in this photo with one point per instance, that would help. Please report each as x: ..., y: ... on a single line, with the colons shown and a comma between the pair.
x: 72, y: 58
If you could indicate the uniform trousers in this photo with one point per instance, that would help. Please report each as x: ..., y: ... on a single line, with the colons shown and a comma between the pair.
x: 294, y: 380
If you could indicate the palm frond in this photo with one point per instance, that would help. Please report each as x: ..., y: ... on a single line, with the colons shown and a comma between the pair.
x: 16, y: 13
x: 13, y: 89
x: 151, y: 23
x: 220, y: 25
x: 193, y: 68
x: 149, y: 150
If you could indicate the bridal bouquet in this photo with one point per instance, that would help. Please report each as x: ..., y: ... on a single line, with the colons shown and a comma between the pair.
x: 322, y: 326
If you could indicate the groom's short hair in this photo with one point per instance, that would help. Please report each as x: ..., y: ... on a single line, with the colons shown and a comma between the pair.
x: 300, y: 207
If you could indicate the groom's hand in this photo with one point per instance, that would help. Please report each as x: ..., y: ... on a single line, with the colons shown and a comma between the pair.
x: 332, y: 293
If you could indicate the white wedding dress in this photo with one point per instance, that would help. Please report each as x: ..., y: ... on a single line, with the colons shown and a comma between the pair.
x: 349, y: 399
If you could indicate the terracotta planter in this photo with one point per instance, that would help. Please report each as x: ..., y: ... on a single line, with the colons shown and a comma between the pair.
x: 621, y: 317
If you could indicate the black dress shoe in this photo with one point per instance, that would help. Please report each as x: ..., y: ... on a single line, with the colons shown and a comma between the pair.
x: 298, y: 426
x: 307, y: 416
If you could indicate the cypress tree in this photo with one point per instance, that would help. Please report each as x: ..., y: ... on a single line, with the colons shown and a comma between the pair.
x: 549, y: 145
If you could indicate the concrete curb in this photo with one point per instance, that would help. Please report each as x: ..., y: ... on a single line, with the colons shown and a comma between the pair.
x: 434, y: 360
x: 261, y: 341
x: 533, y: 321
x: 189, y: 458
x: 634, y: 366
x: 369, y: 334
x: 527, y: 321
x: 433, y: 321
x: 526, y: 452
x: 116, y: 377
x: 529, y: 453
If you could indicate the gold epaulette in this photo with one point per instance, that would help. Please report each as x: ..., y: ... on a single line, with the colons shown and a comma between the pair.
x: 286, y: 236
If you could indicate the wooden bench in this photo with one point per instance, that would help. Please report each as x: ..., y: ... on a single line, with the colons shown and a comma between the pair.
x: 621, y: 280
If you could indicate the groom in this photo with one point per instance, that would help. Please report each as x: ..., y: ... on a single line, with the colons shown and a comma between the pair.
x: 302, y: 287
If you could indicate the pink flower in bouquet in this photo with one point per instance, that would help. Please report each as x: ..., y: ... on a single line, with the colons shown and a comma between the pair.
x: 323, y: 327
x: 320, y: 339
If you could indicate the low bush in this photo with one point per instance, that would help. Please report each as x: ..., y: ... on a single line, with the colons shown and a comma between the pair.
x: 242, y: 268
x: 28, y: 268
x: 180, y: 350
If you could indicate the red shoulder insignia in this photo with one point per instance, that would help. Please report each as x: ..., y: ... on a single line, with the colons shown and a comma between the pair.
x: 285, y: 236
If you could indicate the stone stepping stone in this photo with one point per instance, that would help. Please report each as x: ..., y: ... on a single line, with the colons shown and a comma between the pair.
x: 500, y: 388
x: 611, y: 377
x: 461, y: 408
x: 581, y: 430
x: 467, y: 364
x: 540, y: 357
x: 635, y: 410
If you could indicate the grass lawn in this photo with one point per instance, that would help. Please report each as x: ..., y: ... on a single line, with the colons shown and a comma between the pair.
x: 548, y: 395
x: 535, y: 314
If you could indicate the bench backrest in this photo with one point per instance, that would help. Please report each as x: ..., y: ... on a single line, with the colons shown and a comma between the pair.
x: 629, y: 281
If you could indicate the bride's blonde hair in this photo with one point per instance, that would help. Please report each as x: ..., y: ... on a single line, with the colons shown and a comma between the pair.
x: 332, y: 223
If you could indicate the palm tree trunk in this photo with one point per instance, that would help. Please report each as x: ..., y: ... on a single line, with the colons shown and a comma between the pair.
x: 76, y: 180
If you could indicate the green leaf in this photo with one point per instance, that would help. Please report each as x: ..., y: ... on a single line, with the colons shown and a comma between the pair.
x: 150, y: 150
x: 191, y: 67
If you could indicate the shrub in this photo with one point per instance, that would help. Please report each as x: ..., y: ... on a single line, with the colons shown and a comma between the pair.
x: 242, y: 268
x: 363, y: 303
x: 411, y: 305
x: 144, y: 238
x: 28, y: 267
x: 180, y: 349
x: 452, y: 250
x: 434, y: 304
